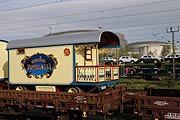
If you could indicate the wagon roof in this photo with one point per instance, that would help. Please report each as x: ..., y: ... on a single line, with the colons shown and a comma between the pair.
x: 4, y: 41
x: 64, y: 39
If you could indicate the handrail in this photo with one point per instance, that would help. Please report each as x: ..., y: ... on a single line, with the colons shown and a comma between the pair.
x: 97, y: 73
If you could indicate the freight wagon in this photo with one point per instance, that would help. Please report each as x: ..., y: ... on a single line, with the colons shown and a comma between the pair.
x: 66, y: 62
x: 24, y: 104
x: 158, y: 104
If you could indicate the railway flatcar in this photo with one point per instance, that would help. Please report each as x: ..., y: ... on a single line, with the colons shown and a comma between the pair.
x: 65, y: 62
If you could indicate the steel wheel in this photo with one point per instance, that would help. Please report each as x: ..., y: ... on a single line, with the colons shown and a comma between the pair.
x: 74, y: 90
x: 19, y: 88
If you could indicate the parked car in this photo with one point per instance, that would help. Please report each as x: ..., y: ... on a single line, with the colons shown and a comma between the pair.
x: 127, y: 59
x: 169, y: 58
x: 150, y: 59
x: 109, y: 60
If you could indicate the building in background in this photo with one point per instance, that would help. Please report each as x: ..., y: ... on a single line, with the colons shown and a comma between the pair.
x: 123, y: 40
x: 154, y: 48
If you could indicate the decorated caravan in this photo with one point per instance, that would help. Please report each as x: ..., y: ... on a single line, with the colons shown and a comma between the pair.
x: 65, y: 62
x: 4, y: 60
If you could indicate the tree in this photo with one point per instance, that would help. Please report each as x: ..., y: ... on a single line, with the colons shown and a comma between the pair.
x: 123, y: 52
x: 135, y: 55
x: 166, y: 49
x: 150, y: 53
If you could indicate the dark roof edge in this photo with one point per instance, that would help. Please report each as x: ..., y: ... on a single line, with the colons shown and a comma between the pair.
x: 4, y: 41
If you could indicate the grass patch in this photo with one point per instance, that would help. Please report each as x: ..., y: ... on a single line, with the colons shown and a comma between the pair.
x: 165, y: 83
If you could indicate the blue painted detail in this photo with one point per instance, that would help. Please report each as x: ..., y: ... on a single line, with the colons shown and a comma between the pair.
x: 74, y: 64
x: 101, y: 75
x: 3, y: 79
x: 105, y: 83
x: 8, y: 66
x: 111, y: 46
x: 115, y: 74
x: 39, y: 65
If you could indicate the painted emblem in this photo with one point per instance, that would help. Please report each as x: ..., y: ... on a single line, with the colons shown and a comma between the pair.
x: 67, y: 51
x: 39, y: 65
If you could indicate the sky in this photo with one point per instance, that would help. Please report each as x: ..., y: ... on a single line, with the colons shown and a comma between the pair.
x: 138, y: 20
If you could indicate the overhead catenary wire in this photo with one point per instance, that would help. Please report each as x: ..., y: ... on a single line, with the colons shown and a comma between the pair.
x: 94, y: 19
x: 48, y: 3
x: 86, y: 20
x: 121, y: 27
x: 30, y: 6
x: 137, y: 26
x: 104, y: 10
x: 2, y: 1
x: 141, y: 25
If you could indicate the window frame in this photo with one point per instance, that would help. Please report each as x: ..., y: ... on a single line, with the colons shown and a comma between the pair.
x: 20, y: 51
x: 88, y: 56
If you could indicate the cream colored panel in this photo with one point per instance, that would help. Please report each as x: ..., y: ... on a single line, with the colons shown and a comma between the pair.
x: 63, y: 74
x: 3, y: 60
x: 80, y: 58
x: 46, y: 88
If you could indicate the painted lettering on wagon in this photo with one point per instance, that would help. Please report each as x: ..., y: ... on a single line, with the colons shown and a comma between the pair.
x: 161, y: 103
x: 39, y: 65
x: 175, y: 116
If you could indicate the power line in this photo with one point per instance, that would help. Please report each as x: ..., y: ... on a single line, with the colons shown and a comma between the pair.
x: 36, y: 34
x: 94, y: 19
x: 68, y: 15
x: 143, y: 25
x: 43, y: 18
x: 139, y: 34
x: 128, y: 15
x: 81, y: 21
x: 5, y: 0
x: 144, y: 4
x: 51, y: 24
x: 141, y: 38
x: 91, y: 20
x: 127, y: 36
x: 30, y: 6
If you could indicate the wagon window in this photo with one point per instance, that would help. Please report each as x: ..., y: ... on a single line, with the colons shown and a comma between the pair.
x: 20, y: 51
x: 88, y: 52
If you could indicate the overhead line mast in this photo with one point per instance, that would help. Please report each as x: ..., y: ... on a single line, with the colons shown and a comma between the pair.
x: 173, y: 31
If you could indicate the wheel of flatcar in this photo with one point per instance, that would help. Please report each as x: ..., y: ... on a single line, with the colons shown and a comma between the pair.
x: 74, y: 90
